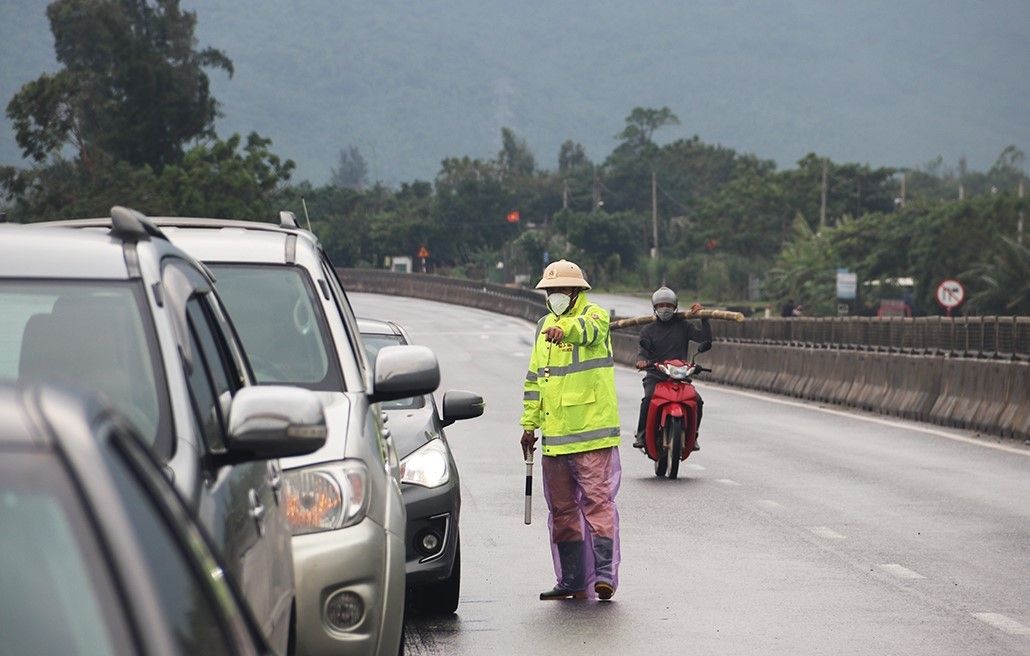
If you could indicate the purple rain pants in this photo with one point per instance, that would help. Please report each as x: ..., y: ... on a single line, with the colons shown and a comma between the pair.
x: 580, y: 490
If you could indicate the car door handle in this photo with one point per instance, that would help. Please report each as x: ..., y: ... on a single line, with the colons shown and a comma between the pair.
x: 257, y: 512
x: 275, y: 478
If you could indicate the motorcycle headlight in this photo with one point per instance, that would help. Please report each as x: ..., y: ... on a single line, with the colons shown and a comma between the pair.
x: 427, y: 466
x: 325, y: 498
x: 679, y: 373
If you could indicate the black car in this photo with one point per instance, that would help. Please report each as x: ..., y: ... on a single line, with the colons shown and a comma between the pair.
x: 98, y: 554
x: 429, y: 479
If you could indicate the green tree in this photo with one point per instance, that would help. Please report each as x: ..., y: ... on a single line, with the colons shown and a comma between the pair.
x: 132, y: 86
x: 470, y: 209
x: 218, y: 179
x: 572, y: 157
x: 804, y: 271
x: 641, y: 125
x: 1001, y: 284
x: 514, y: 158
x: 351, y: 171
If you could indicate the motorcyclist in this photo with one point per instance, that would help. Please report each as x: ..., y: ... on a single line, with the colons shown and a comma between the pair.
x: 668, y: 338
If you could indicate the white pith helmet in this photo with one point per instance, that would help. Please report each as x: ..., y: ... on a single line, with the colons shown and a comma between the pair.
x: 562, y: 274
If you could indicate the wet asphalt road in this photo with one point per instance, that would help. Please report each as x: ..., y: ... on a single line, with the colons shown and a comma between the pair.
x: 796, y: 530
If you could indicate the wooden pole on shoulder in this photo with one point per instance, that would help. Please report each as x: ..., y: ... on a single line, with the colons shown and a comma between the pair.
x: 721, y: 315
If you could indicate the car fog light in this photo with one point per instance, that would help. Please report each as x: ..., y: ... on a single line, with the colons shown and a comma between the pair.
x: 428, y: 542
x: 344, y: 610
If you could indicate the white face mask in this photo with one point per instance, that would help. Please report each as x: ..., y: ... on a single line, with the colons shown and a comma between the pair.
x: 558, y: 303
x: 664, y: 314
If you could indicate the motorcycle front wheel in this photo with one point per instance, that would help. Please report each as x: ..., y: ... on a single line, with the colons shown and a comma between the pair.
x: 674, y: 430
x: 662, y: 462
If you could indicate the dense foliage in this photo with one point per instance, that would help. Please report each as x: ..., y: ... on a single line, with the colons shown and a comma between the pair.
x: 730, y: 227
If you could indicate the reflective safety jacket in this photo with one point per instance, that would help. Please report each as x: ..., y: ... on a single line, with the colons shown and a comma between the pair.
x: 570, y: 387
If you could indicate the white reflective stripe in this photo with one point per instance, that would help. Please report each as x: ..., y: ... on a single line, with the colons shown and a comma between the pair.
x: 556, y: 440
x: 531, y: 396
x: 600, y: 363
x: 583, y: 329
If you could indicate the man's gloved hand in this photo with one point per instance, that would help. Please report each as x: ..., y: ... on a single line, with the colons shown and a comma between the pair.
x: 641, y: 364
x: 528, y: 442
x: 554, y: 334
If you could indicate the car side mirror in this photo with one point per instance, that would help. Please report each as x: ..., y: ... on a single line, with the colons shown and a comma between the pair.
x: 459, y: 405
x: 274, y: 421
x: 403, y: 371
x: 704, y: 346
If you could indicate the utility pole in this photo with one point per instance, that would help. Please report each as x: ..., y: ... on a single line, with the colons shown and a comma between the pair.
x: 961, y: 191
x: 596, y: 195
x: 565, y: 194
x: 1019, y: 226
x: 822, y: 203
x: 903, y: 178
x: 654, y: 214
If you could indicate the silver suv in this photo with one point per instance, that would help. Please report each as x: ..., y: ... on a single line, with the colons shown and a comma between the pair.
x: 125, y: 316
x: 344, y: 501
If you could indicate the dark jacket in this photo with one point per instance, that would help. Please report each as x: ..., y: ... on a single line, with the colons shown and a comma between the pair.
x: 669, y: 340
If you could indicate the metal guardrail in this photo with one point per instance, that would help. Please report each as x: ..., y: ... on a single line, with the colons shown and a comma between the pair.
x: 991, y: 337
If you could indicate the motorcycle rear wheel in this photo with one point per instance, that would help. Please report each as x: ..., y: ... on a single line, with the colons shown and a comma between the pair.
x: 674, y: 427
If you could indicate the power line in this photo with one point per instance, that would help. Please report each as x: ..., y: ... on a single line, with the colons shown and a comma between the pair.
x: 669, y: 196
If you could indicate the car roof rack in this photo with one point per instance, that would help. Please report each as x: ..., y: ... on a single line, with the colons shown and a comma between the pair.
x: 288, y: 220
x: 129, y: 225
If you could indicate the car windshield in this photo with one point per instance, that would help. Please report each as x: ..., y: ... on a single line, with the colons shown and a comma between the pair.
x: 279, y: 320
x: 374, y: 342
x: 54, y: 598
x: 89, y: 336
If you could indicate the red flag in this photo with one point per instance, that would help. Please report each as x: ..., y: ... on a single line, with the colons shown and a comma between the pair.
x: 513, y: 216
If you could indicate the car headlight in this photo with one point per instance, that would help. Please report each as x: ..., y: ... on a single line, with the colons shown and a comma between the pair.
x: 325, y: 498
x: 428, y: 466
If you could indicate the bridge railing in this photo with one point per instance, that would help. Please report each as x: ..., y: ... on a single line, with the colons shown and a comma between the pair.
x: 990, y: 337
x: 512, y: 301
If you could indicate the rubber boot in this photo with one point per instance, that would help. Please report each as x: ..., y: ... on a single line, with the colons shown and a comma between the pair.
x: 572, y: 585
x: 604, y: 570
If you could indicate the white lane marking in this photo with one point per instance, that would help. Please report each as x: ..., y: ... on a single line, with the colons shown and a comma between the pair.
x: 484, y: 337
x: 900, y: 572
x: 768, y: 503
x: 694, y: 466
x: 727, y: 481
x: 825, y: 532
x: 518, y: 354
x: 1003, y: 622
x: 875, y: 420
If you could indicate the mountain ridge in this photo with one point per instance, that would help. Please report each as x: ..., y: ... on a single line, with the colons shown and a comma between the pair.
x: 412, y: 83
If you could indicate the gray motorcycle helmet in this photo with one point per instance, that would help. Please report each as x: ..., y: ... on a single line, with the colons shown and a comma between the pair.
x: 664, y: 295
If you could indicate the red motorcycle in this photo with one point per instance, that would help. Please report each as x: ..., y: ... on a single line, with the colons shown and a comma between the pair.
x: 672, y: 416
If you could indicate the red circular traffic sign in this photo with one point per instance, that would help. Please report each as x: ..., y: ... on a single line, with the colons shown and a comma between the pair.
x: 950, y: 293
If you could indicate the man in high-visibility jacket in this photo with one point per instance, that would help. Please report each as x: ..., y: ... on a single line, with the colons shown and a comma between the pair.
x: 570, y: 396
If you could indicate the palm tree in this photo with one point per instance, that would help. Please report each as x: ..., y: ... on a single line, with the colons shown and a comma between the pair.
x: 1002, y: 283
